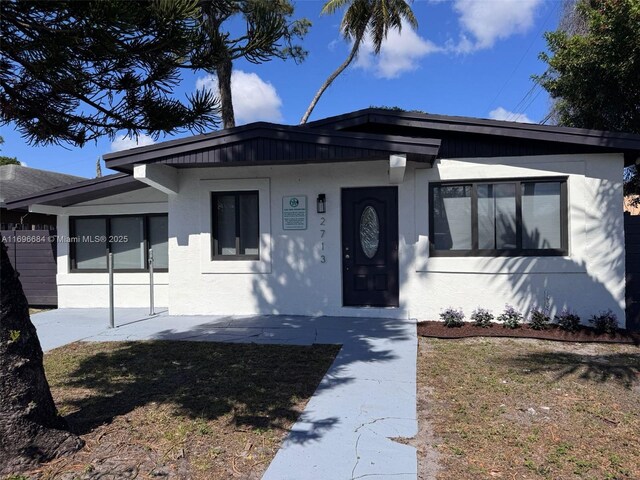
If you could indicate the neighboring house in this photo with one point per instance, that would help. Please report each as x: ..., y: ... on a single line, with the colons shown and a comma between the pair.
x: 26, y: 234
x: 374, y: 213
x: 20, y: 181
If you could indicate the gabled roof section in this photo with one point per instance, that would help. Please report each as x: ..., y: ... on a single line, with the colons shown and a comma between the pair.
x: 271, y: 144
x: 19, y: 181
x: 465, y: 136
x: 80, y: 191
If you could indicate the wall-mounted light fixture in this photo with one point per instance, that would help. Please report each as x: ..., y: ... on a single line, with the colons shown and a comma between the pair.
x: 321, y: 203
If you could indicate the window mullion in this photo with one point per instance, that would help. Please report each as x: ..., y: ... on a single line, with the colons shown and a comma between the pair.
x: 72, y: 249
x: 214, y: 223
x: 108, y: 229
x: 145, y: 241
x: 492, y: 195
x: 237, y: 202
x: 564, y: 218
x: 474, y: 217
x: 518, y: 215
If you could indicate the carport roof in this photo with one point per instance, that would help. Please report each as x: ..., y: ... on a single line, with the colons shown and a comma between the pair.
x: 80, y: 191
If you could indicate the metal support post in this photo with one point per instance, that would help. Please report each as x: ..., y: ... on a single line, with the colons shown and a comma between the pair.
x: 151, y: 306
x: 111, y: 305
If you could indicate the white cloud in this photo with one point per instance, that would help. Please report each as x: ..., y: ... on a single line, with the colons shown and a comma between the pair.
x: 484, y: 22
x: 253, y: 98
x: 24, y: 164
x: 504, y: 114
x: 400, y: 52
x: 123, y: 142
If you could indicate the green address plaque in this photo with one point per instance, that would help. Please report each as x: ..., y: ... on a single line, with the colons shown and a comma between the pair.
x: 294, y: 212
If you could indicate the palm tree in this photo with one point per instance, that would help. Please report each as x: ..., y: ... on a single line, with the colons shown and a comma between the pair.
x: 374, y: 17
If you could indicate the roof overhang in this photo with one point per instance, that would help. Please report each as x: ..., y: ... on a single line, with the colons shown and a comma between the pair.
x: 440, y: 125
x: 80, y: 192
x: 271, y: 144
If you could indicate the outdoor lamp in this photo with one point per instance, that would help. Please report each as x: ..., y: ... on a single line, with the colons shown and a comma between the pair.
x: 322, y: 203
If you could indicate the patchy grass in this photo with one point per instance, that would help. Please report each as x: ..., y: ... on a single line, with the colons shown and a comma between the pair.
x: 530, y: 409
x: 179, y: 409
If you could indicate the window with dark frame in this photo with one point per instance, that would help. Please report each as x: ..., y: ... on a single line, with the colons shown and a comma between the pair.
x: 511, y: 217
x: 128, y: 237
x: 236, y: 226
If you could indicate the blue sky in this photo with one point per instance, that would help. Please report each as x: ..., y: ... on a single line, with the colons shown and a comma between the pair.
x: 468, y: 57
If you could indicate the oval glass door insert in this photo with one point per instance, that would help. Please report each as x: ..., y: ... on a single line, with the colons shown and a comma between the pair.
x: 369, y: 231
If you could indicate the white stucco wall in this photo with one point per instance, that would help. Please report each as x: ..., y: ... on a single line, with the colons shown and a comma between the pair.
x: 290, y: 278
x: 589, y: 279
x: 91, y: 290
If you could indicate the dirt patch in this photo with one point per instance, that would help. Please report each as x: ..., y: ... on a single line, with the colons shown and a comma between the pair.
x: 179, y: 410
x: 531, y: 409
x: 552, y: 332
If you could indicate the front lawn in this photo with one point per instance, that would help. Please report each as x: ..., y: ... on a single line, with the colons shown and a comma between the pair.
x: 529, y: 409
x: 167, y: 409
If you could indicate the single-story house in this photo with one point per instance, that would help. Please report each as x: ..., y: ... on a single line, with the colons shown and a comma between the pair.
x: 375, y: 213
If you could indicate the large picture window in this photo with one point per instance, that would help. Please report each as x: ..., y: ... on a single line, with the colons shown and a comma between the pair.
x: 236, y: 226
x: 128, y: 237
x: 495, y: 218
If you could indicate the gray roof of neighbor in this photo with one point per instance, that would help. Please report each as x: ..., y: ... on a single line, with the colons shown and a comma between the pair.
x: 20, y: 181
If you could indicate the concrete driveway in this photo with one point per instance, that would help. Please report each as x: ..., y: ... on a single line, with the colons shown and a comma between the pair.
x: 367, y: 397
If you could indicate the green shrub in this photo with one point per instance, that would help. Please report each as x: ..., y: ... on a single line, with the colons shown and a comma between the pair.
x: 568, y: 320
x: 604, y: 322
x: 510, y: 318
x: 452, y: 317
x: 482, y: 317
x: 538, y: 319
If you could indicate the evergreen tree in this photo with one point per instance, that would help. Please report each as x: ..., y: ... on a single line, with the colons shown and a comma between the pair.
x: 269, y: 32
x: 72, y: 71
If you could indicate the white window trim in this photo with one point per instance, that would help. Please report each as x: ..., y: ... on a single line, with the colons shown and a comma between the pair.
x: 207, y: 187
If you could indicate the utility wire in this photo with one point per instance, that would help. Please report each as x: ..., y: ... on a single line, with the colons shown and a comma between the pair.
x: 546, y: 119
x: 516, y: 111
x: 531, y: 102
x: 510, y: 77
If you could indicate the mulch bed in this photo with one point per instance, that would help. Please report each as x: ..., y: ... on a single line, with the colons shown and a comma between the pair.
x: 552, y: 332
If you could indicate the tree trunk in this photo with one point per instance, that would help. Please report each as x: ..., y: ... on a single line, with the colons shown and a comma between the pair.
x: 223, y: 71
x: 332, y: 77
x: 30, y: 429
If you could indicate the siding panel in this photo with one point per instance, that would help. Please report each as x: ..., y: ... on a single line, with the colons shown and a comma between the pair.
x: 36, y: 264
x: 270, y: 151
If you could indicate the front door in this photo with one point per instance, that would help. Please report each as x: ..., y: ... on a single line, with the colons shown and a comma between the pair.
x: 370, y: 247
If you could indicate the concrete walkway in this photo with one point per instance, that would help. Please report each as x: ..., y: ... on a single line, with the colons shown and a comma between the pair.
x: 367, y: 397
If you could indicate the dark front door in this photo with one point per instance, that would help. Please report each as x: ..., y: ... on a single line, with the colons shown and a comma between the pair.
x: 370, y: 247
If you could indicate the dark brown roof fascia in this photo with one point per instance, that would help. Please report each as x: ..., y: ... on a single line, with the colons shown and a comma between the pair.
x: 80, y: 191
x: 598, y: 138
x: 389, y: 143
